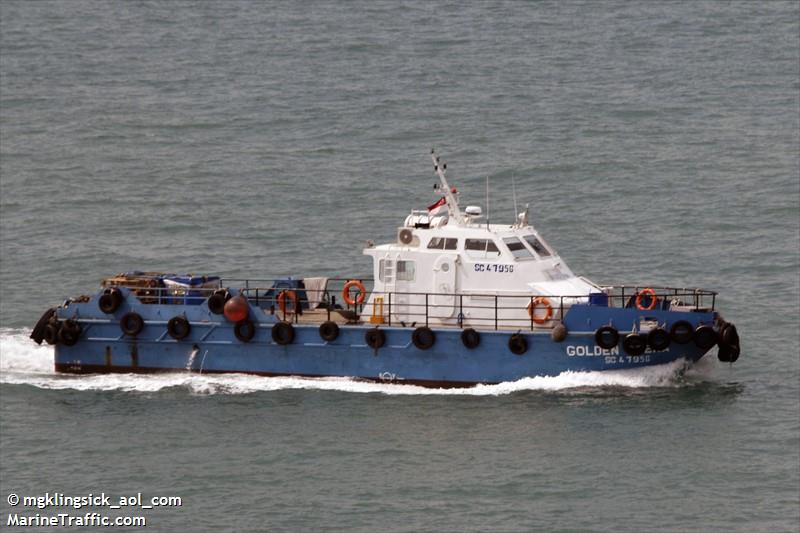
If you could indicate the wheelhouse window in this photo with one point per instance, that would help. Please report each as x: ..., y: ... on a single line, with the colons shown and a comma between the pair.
x: 517, y: 249
x: 442, y: 243
x: 537, y: 245
x: 481, y: 248
x: 405, y: 271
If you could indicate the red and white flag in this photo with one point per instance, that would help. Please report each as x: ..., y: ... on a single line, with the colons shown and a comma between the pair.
x: 438, y: 208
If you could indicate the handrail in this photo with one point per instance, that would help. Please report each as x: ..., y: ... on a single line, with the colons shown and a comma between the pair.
x: 492, y: 309
x: 661, y: 292
x: 230, y: 282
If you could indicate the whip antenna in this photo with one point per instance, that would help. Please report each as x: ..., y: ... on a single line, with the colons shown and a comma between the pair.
x: 487, y: 201
x: 514, y: 194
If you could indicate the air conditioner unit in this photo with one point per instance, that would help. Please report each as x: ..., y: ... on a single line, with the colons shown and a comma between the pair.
x: 407, y: 237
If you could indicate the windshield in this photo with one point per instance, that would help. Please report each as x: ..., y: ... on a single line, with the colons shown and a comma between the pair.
x: 517, y: 249
x: 537, y: 245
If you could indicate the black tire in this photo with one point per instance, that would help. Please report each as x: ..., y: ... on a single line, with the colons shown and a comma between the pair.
x: 50, y: 333
x: 517, y: 344
x: 178, y: 328
x: 283, y: 333
x: 658, y: 339
x: 423, y: 338
x: 329, y: 331
x: 634, y: 344
x: 729, y: 335
x: 681, y: 332
x: 735, y: 351
x: 375, y: 338
x: 470, y: 338
x: 38, y: 330
x: 131, y: 324
x: 728, y: 353
x: 69, y: 333
x: 244, y: 330
x: 730, y: 340
x: 216, y: 302
x: 110, y: 300
x: 705, y: 337
x: 724, y: 353
x: 559, y: 333
x: 606, y: 337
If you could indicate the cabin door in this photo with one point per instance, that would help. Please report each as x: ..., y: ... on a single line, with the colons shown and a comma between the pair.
x: 443, y: 301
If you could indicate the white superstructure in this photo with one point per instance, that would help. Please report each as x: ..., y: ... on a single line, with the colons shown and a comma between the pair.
x: 454, y: 264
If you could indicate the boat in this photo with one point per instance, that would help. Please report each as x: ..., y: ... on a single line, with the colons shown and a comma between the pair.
x: 455, y: 301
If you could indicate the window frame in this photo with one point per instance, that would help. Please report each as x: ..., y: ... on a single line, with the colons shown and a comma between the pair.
x: 528, y: 254
x: 548, y: 251
x: 443, y: 243
x: 405, y: 263
x: 483, y: 253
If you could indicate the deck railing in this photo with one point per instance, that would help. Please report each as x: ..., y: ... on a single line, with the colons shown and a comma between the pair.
x: 484, y: 310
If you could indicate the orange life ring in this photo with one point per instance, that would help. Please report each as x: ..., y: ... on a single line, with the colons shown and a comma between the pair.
x: 548, y: 309
x: 361, y: 292
x: 282, y: 300
x: 640, y: 296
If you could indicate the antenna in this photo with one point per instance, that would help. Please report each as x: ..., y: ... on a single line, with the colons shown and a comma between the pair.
x: 514, y: 194
x: 452, y: 203
x: 487, y: 201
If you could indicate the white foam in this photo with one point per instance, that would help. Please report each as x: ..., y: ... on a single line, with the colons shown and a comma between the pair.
x: 23, y: 362
x: 19, y: 354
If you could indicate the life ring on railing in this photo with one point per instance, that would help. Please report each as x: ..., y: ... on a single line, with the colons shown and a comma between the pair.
x: 361, y: 292
x: 284, y: 294
x: 641, y: 295
x: 548, y: 309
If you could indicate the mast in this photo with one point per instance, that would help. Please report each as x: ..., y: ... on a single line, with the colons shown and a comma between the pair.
x: 452, y: 204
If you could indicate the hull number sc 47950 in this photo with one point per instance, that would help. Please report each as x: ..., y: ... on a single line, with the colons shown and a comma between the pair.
x: 491, y: 267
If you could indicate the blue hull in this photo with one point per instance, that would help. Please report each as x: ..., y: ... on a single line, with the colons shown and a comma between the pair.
x: 212, y: 347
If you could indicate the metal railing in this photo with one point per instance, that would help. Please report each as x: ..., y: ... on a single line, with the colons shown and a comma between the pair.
x: 485, y: 310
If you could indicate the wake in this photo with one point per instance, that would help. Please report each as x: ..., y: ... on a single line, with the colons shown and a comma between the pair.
x: 24, y: 362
